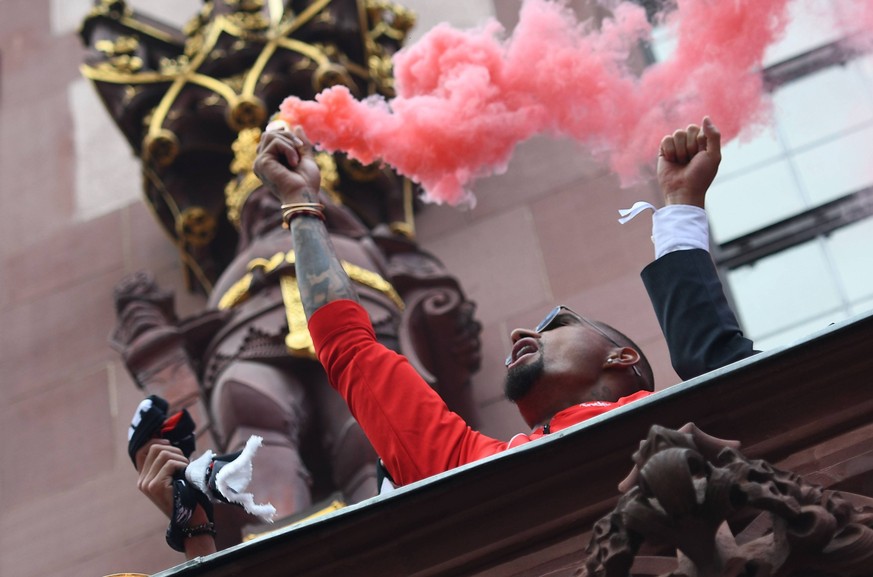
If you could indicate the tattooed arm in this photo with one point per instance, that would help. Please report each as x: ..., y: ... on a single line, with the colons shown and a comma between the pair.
x: 405, y: 420
x: 285, y: 164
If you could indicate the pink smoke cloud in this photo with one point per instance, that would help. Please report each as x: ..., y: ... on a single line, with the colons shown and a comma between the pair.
x: 867, y: 18
x: 466, y: 98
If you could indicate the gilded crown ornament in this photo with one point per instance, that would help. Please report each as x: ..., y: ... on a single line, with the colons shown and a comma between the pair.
x: 192, y: 102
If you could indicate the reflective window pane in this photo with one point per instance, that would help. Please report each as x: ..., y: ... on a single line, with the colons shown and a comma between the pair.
x: 784, y: 289
x: 747, y: 152
x: 865, y: 67
x: 746, y: 202
x: 861, y: 307
x: 837, y: 168
x: 798, y: 332
x: 851, y: 251
x: 822, y: 105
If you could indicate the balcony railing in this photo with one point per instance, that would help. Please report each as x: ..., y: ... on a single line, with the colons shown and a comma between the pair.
x: 528, y: 512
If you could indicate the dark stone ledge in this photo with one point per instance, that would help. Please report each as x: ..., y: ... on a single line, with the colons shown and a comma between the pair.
x: 528, y: 511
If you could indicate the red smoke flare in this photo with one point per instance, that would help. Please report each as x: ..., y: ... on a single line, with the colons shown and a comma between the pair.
x: 466, y: 98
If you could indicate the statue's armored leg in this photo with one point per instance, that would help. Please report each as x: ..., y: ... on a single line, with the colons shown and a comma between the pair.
x: 352, y: 458
x: 252, y: 398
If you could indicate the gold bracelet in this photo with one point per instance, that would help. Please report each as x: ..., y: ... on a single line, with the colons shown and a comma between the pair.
x: 313, y: 205
x: 290, y: 212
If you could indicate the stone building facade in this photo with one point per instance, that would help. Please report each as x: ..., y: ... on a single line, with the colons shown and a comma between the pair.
x: 74, y: 226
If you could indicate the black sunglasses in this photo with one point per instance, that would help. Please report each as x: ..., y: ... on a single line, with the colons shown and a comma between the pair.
x: 548, y: 323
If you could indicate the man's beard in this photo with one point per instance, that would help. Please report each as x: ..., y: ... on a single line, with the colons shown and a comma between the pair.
x: 521, y: 379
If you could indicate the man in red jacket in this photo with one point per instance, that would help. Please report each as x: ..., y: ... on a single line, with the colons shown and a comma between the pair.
x: 565, y: 371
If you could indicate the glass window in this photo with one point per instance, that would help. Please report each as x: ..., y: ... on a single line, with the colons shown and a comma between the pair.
x: 851, y: 250
x: 785, y: 289
x: 862, y: 307
x: 750, y: 200
x: 797, y: 332
x: 865, y: 67
x: 836, y: 168
x: 750, y: 151
x: 821, y: 105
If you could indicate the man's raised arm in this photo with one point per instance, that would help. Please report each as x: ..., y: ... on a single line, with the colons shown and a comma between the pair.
x: 702, y: 331
x: 405, y: 420
x: 286, y: 166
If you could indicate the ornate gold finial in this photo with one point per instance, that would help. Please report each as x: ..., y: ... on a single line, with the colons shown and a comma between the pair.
x: 247, y: 15
x: 160, y: 147
x: 400, y: 18
x: 115, y: 9
x: 121, y: 45
x: 237, y: 191
x: 332, y: 74
x: 123, y: 64
x: 201, y: 19
x: 246, y: 5
x: 174, y: 66
x: 197, y: 29
x: 121, y: 54
x: 382, y: 71
x: 196, y: 227
x: 247, y: 112
x: 387, y: 21
x: 250, y: 22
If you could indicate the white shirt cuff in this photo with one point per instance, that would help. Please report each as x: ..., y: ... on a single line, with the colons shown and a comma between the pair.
x: 679, y: 227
